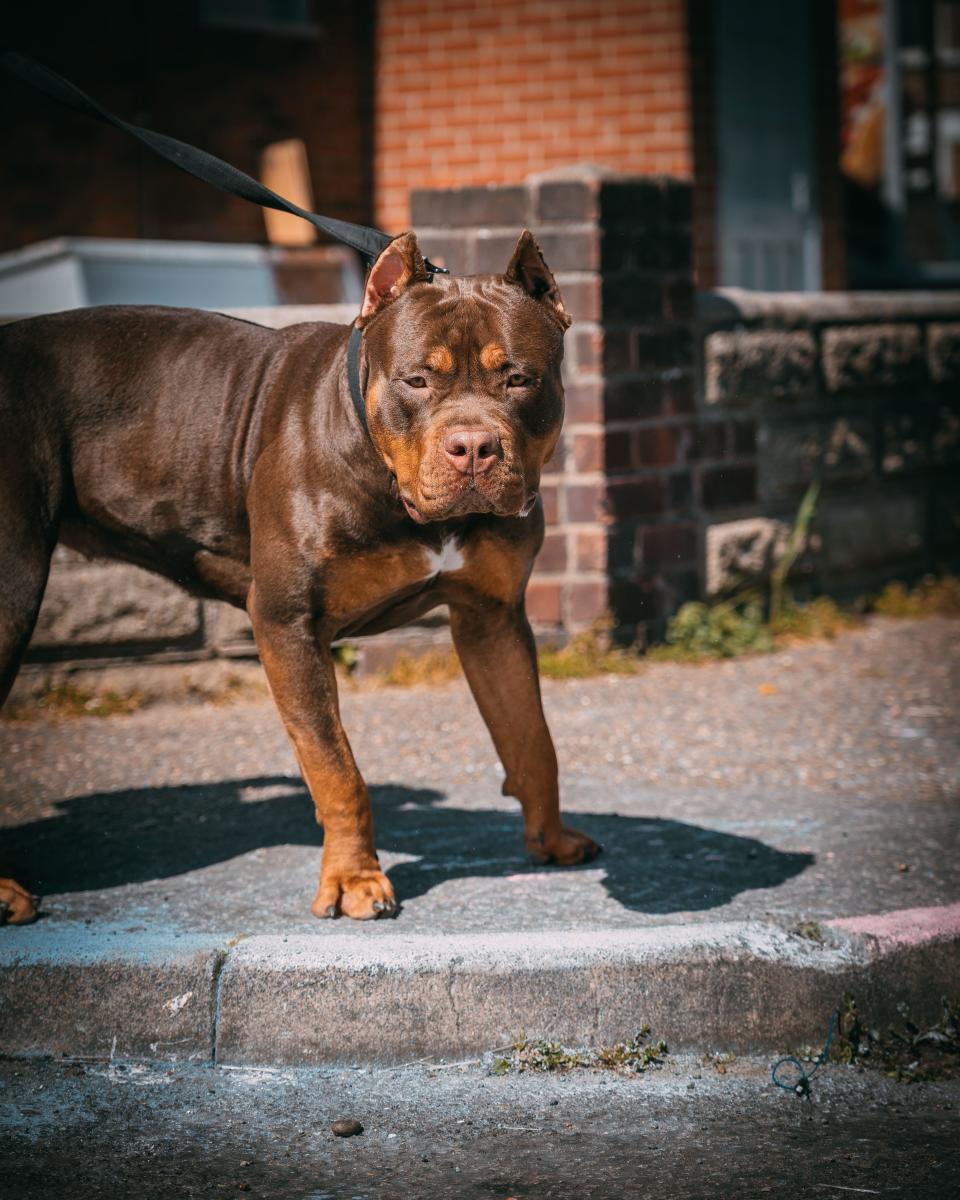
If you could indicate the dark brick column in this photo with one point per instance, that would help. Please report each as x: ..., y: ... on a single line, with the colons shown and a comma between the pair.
x: 618, y: 493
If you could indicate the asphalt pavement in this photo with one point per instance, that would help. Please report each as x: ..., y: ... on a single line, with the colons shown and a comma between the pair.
x: 99, y: 1131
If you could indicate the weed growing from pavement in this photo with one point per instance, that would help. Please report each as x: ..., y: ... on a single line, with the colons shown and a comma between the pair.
x: 631, y: 1057
x: 232, y: 688
x: 66, y: 699
x: 435, y: 666
x: 931, y: 597
x: 811, y: 930
x: 734, y: 628
x: 904, y: 1051
x: 589, y: 653
x: 699, y: 632
x: 721, y: 1063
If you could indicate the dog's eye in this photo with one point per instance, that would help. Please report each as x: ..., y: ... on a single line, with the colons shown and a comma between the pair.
x: 415, y: 381
x: 518, y: 381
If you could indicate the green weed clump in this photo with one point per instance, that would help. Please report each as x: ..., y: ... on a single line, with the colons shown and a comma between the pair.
x: 931, y: 597
x: 710, y: 631
x: 905, y: 1051
x: 434, y: 666
x: 66, y: 700
x: 811, y: 930
x: 586, y: 654
x: 721, y: 1062
x: 631, y: 1057
x: 702, y: 632
x: 821, y: 618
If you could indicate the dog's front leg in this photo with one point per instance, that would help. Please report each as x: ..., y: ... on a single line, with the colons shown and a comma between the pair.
x: 496, y: 646
x: 301, y: 676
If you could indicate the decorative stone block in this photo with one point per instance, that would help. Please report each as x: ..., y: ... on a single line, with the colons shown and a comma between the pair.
x: 112, y: 604
x: 741, y: 551
x: 943, y: 349
x: 744, y: 365
x: 227, y: 629
x: 857, y: 356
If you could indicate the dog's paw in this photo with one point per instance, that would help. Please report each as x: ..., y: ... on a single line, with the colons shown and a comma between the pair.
x: 566, y: 849
x: 363, y: 895
x: 17, y: 906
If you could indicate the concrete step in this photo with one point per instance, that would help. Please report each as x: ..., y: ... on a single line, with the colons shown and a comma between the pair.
x: 348, y: 998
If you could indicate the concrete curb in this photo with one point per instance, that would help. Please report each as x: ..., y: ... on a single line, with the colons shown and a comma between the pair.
x: 348, y: 998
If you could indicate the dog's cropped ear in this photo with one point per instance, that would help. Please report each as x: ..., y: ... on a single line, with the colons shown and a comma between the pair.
x: 528, y: 268
x: 400, y: 265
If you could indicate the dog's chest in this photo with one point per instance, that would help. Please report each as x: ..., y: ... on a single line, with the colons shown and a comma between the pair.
x: 390, y: 584
x: 445, y: 561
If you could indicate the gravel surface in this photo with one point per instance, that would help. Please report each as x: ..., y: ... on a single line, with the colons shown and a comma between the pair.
x: 815, y: 782
x: 102, y: 1130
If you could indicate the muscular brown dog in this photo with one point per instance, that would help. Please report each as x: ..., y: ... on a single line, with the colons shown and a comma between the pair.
x: 230, y: 458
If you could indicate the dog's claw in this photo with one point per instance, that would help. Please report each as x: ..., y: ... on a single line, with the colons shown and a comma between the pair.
x: 363, y: 895
x: 4, y: 909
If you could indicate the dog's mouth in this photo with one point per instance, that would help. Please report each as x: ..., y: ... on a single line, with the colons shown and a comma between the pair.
x: 412, y: 511
x: 470, y: 500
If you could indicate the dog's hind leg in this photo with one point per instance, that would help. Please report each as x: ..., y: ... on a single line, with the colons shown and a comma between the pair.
x: 27, y: 538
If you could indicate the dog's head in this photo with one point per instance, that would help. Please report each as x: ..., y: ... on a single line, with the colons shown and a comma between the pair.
x: 463, y: 393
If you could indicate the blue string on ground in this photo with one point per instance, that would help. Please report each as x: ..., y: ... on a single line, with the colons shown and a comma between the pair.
x: 800, y: 1083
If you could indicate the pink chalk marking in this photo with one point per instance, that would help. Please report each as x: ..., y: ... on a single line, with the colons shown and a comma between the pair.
x: 906, y: 927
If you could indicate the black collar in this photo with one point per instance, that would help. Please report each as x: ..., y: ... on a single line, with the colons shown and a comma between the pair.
x: 353, y: 376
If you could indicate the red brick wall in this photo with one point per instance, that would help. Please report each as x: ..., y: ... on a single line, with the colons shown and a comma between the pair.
x: 230, y: 91
x: 488, y: 91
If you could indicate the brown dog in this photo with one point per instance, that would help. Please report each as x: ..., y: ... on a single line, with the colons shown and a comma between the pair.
x: 230, y: 458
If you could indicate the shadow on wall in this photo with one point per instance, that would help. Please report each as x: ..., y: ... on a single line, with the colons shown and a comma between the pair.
x: 109, y: 839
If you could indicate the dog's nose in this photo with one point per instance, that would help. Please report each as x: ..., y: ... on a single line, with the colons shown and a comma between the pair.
x: 471, y: 451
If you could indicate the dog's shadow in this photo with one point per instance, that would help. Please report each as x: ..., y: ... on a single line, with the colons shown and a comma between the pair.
x: 108, y: 839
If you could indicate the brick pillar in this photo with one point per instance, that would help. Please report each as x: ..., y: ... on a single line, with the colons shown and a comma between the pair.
x: 621, y: 533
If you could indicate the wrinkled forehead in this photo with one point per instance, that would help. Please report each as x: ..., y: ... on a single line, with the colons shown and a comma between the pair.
x: 457, y: 320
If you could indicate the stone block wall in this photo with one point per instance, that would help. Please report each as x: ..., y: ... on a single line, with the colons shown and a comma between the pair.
x: 862, y: 389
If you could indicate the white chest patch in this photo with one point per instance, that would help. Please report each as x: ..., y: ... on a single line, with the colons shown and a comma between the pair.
x: 447, y: 559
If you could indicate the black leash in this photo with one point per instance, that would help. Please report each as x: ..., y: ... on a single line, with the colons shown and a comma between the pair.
x: 369, y: 243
